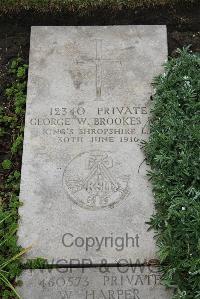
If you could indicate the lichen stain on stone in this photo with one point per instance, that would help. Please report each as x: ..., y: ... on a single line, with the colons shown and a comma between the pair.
x: 77, y: 78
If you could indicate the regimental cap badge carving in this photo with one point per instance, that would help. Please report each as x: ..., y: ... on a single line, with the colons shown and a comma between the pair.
x: 93, y: 180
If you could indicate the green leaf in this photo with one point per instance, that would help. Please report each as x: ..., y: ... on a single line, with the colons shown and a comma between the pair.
x: 6, y: 164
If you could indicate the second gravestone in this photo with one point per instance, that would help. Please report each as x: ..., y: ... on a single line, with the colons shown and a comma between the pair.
x: 94, y: 283
x: 84, y: 189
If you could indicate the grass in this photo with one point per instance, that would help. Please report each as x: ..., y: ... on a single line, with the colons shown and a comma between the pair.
x: 83, y: 6
x: 173, y: 151
x: 11, y: 134
x: 12, y: 114
x: 3, y: 274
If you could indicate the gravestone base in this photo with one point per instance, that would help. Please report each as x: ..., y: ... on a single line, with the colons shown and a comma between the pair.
x: 94, y: 283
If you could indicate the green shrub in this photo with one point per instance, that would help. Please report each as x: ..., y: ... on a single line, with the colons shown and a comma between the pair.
x: 6, y: 164
x: 12, y: 123
x: 173, y: 153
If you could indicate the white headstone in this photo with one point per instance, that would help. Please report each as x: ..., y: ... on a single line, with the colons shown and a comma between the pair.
x: 84, y: 187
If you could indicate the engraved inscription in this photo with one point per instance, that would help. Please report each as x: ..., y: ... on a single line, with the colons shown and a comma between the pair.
x: 122, y: 124
x: 96, y: 179
x: 119, y: 283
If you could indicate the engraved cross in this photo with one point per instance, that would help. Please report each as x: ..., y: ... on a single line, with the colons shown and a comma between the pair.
x: 97, y: 62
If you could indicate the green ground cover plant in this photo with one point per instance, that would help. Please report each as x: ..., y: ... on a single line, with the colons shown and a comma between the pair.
x: 173, y: 151
x: 83, y: 6
x: 11, y: 134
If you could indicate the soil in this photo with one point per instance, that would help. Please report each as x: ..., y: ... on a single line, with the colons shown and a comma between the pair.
x: 183, y: 25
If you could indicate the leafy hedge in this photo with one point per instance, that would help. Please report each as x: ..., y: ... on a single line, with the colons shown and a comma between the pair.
x: 82, y: 6
x: 173, y: 152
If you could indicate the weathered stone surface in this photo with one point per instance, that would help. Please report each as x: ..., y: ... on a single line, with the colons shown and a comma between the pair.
x: 84, y: 184
x: 93, y: 283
